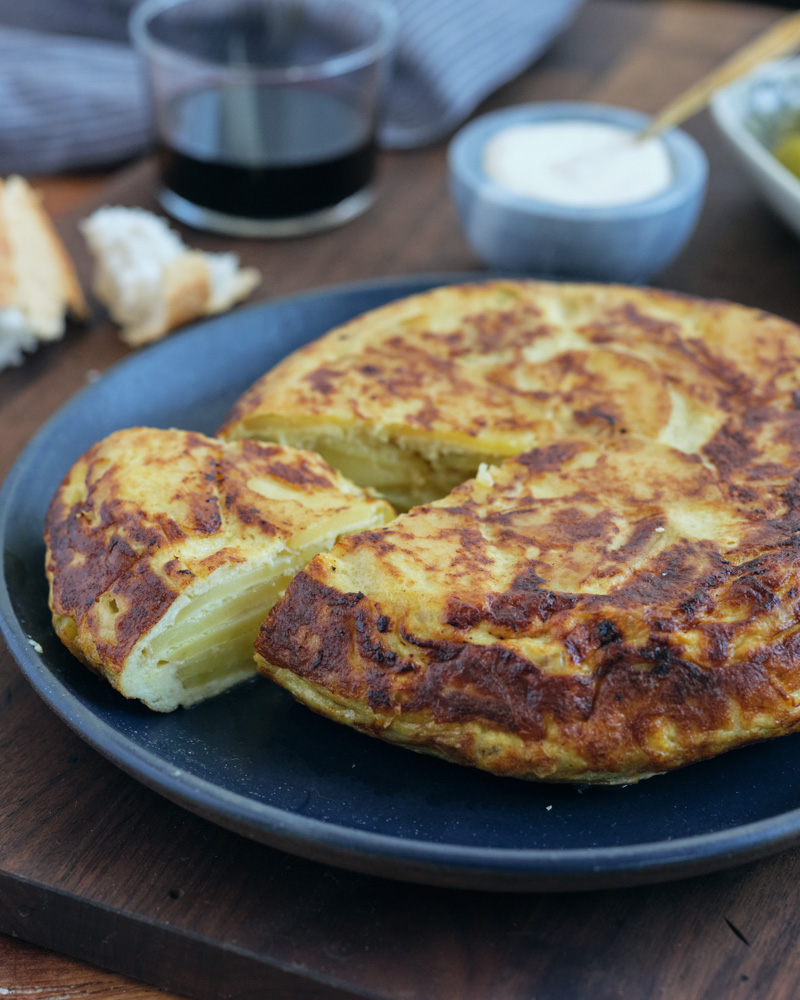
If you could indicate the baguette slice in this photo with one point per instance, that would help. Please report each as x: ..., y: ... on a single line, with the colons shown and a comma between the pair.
x: 38, y: 283
x: 151, y: 282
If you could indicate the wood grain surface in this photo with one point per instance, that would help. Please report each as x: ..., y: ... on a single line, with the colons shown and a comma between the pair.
x: 94, y: 865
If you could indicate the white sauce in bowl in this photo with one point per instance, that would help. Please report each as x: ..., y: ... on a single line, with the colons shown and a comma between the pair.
x: 584, y: 164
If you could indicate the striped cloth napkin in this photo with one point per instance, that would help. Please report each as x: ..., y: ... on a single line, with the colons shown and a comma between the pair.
x: 72, y: 91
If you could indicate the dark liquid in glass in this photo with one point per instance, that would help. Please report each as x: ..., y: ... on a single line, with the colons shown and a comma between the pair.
x: 267, y: 153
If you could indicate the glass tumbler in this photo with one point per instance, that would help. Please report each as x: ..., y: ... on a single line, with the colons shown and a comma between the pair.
x: 266, y: 111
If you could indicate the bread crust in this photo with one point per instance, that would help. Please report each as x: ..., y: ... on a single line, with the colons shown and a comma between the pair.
x: 187, y: 295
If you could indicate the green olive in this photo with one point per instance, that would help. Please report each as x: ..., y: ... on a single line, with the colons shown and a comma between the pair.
x: 787, y: 152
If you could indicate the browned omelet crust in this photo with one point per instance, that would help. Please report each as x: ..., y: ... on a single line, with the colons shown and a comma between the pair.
x: 485, y: 371
x: 604, y: 607
x: 147, y: 516
x: 584, y: 614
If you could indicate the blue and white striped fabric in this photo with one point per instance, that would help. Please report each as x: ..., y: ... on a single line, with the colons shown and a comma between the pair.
x: 453, y: 53
x: 72, y: 92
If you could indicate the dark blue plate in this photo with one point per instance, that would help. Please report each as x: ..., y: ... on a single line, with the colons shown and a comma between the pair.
x: 256, y: 762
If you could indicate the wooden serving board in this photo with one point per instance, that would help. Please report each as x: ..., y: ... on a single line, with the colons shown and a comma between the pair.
x: 97, y: 866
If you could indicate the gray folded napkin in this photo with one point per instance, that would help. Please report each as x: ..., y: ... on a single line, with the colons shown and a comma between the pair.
x: 72, y: 91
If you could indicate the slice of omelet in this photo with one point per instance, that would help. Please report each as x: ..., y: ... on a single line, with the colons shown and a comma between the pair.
x: 581, y: 613
x: 410, y: 398
x: 165, y: 549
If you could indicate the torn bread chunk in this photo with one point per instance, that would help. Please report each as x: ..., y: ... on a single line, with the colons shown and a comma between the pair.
x: 151, y: 282
x: 38, y: 283
x: 166, y: 549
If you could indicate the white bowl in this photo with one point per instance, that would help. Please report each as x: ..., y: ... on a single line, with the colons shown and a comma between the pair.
x: 750, y: 113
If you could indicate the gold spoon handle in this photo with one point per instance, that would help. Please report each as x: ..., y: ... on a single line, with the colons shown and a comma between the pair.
x: 777, y: 41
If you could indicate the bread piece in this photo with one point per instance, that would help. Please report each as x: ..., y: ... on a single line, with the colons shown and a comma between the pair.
x: 38, y: 283
x: 412, y: 397
x: 166, y: 548
x: 582, y: 613
x: 151, y: 282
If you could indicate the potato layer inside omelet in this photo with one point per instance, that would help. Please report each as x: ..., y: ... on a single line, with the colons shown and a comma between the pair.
x: 166, y: 548
x: 410, y: 398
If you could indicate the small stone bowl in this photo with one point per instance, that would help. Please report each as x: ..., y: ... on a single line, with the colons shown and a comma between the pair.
x: 627, y: 243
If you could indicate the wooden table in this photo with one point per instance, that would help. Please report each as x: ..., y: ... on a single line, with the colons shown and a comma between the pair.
x: 94, y: 865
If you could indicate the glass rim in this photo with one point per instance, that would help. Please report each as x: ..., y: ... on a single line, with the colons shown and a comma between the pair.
x: 345, y: 62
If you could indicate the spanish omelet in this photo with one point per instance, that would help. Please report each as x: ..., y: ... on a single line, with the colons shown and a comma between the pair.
x: 165, y: 549
x: 597, y: 580
x: 621, y: 597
